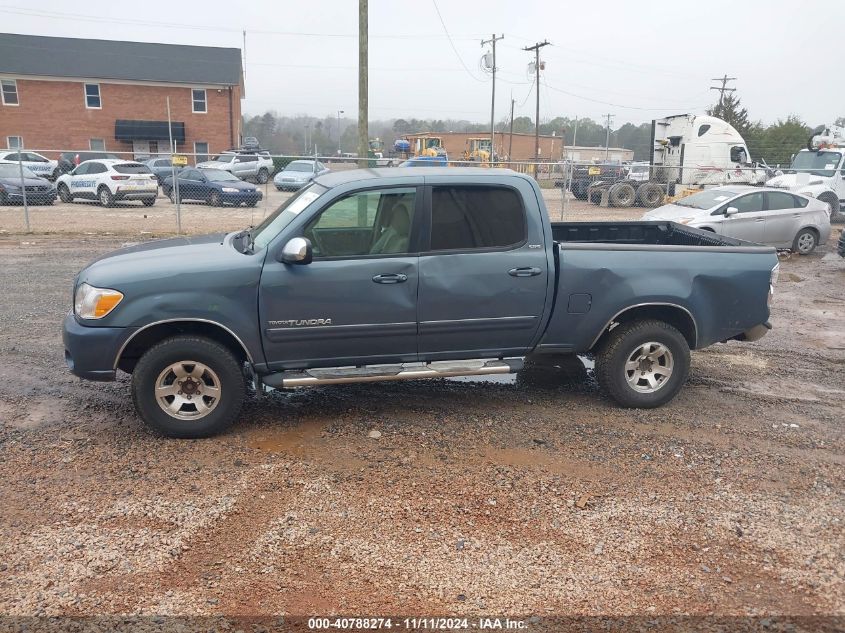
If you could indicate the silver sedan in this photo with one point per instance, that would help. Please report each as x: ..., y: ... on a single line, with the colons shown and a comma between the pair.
x: 298, y: 173
x: 755, y: 214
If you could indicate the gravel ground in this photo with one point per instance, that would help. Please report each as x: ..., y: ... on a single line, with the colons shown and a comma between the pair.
x: 533, y: 496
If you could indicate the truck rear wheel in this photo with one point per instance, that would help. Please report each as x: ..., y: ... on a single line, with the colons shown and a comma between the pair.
x: 188, y: 387
x: 832, y: 202
x: 650, y: 195
x: 622, y: 194
x: 643, y: 364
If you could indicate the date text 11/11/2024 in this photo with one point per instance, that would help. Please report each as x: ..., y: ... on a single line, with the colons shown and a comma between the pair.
x: 417, y: 623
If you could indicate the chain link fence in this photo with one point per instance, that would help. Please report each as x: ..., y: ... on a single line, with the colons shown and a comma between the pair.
x: 254, y: 182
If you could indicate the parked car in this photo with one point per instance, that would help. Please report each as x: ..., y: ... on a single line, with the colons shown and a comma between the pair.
x: 763, y: 215
x: 214, y: 186
x: 68, y: 161
x: 840, y: 246
x: 257, y: 165
x: 426, y: 161
x: 449, y: 272
x: 298, y: 173
x: 162, y: 168
x: 108, y: 181
x: 38, y: 190
x: 37, y: 164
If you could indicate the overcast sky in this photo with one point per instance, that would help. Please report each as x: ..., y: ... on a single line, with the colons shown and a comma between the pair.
x: 635, y: 60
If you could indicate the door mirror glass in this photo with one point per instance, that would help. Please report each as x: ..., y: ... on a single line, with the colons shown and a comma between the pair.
x: 731, y: 211
x: 297, y: 251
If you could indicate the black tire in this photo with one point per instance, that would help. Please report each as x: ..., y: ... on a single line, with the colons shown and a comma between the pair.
x: 56, y: 173
x: 105, y: 196
x: 805, y: 242
x: 832, y: 201
x: 619, y: 348
x: 189, y: 349
x: 214, y: 199
x: 148, y: 202
x: 64, y: 193
x: 650, y: 194
x: 622, y: 194
x: 263, y: 176
x: 579, y: 189
x: 252, y: 203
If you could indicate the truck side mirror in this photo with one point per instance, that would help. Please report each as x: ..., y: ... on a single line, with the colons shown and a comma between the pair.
x: 731, y: 211
x: 297, y: 251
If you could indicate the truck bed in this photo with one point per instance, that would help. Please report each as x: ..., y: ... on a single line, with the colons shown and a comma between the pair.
x: 655, y: 233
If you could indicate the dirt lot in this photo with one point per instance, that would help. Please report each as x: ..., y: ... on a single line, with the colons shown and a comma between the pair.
x: 529, y: 497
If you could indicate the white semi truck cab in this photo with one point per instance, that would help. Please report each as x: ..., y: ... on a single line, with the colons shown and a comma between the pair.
x: 818, y: 170
x: 697, y: 150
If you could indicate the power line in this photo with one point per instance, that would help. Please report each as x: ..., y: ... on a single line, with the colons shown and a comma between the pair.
x: 615, y: 105
x: 451, y: 43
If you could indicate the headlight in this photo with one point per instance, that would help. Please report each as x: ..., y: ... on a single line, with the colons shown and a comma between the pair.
x: 229, y: 190
x: 684, y: 220
x: 12, y: 187
x: 95, y: 303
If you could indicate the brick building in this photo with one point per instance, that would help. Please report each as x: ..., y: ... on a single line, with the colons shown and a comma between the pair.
x: 522, y: 147
x: 78, y: 94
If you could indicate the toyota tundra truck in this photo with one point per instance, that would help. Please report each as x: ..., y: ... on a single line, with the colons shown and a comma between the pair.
x: 396, y: 274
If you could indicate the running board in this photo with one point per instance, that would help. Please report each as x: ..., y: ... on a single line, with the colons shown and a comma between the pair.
x: 402, y: 371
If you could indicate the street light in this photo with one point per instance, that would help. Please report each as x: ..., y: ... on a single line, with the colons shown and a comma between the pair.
x: 339, y: 112
x: 307, y: 126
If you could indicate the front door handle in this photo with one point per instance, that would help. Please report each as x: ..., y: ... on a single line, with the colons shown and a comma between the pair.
x: 390, y: 278
x: 524, y: 272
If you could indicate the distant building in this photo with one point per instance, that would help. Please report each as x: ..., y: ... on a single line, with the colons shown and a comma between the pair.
x: 522, y: 147
x: 62, y: 93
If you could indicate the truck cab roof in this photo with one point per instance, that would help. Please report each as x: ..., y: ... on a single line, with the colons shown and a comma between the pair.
x: 467, y: 174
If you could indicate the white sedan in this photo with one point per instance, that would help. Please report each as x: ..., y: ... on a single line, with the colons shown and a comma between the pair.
x: 36, y: 163
x: 763, y: 215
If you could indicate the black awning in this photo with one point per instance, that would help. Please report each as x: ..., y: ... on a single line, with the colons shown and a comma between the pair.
x: 126, y: 130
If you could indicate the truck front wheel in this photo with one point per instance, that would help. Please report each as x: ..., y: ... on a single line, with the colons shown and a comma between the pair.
x: 643, y: 364
x: 188, y: 387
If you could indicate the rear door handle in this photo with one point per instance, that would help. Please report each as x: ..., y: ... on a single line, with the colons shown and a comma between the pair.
x: 390, y: 278
x: 524, y: 272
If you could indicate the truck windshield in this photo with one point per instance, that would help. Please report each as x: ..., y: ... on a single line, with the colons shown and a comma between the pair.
x: 284, y: 215
x: 706, y: 199
x: 817, y: 163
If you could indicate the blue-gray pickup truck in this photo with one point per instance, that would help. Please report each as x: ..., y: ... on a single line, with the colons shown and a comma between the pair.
x: 391, y: 274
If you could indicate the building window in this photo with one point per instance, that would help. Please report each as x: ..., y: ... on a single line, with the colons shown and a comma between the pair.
x: 200, y: 105
x: 10, y: 91
x: 92, y: 96
x: 14, y: 142
x: 200, y: 151
x: 97, y: 144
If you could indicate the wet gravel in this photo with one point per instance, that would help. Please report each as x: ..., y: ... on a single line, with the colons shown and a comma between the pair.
x: 464, y: 497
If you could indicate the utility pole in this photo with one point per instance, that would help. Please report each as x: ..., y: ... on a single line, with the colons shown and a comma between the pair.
x: 607, y: 137
x: 536, y: 48
x: 493, y: 39
x: 723, y: 89
x: 510, y: 137
x: 363, y: 55
x: 339, y: 112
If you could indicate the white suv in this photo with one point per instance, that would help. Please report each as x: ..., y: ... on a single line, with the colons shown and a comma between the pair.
x: 36, y: 163
x: 257, y: 165
x: 109, y: 181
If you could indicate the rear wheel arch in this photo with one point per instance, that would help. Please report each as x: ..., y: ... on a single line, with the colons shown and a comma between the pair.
x: 150, y: 335
x: 677, y: 316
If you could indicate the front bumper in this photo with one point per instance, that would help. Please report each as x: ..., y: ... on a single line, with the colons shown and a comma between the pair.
x: 32, y: 197
x: 241, y: 197
x: 290, y: 185
x: 90, y: 351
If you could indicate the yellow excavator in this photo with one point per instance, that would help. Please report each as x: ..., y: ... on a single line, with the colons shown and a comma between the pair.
x: 425, y: 145
x: 478, y: 150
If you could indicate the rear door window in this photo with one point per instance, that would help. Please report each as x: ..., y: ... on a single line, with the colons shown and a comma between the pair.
x: 473, y: 218
x: 778, y: 200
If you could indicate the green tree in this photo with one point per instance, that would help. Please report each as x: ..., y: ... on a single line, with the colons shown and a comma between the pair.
x: 778, y: 142
x: 730, y: 109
